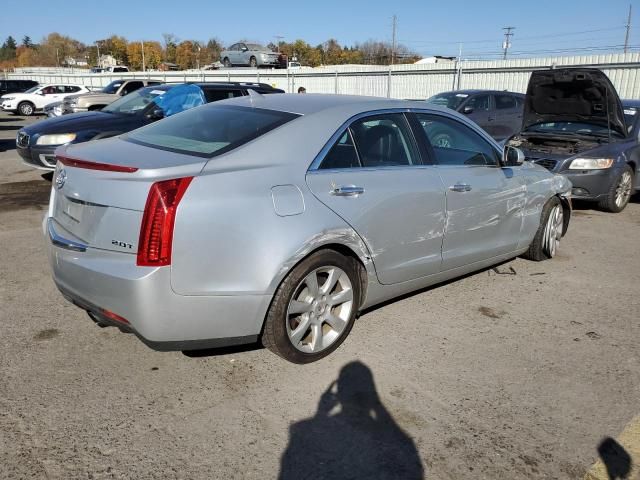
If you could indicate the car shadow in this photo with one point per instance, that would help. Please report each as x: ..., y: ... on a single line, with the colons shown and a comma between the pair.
x: 7, y: 144
x: 615, y: 458
x: 351, y: 436
x: 222, y: 351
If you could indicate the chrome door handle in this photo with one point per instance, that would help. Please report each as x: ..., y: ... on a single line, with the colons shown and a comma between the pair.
x: 460, y: 187
x: 347, y: 191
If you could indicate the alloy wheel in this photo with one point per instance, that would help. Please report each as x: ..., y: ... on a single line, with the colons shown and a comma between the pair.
x: 553, y: 231
x: 623, y: 190
x: 319, y: 309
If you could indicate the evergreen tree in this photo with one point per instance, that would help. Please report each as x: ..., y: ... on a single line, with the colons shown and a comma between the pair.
x: 26, y: 41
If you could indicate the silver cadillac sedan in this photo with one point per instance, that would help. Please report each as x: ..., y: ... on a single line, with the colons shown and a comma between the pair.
x: 279, y: 217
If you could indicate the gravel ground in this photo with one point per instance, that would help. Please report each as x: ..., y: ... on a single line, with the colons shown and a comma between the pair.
x: 517, y: 372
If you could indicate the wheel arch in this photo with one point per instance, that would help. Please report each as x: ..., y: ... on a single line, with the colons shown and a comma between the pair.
x: 566, y: 212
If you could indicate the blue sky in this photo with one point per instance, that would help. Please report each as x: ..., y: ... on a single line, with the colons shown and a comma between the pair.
x: 425, y: 26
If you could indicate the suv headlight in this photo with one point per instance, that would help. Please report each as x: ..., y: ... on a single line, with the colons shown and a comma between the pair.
x: 8, y: 98
x: 56, y: 139
x: 590, y: 163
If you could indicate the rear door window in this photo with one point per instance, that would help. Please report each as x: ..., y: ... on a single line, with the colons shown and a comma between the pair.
x: 213, y: 95
x: 384, y: 141
x: 479, y: 103
x: 505, y: 102
x: 210, y: 130
x: 343, y: 154
x: 131, y: 87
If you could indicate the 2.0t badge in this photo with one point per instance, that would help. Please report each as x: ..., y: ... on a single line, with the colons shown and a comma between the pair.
x: 61, y: 177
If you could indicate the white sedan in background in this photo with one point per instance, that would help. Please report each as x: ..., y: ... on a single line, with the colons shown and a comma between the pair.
x: 36, y: 98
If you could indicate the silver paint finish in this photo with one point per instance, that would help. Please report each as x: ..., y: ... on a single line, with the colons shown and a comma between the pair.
x: 250, y: 215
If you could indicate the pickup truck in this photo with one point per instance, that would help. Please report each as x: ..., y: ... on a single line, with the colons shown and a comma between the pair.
x: 98, y: 100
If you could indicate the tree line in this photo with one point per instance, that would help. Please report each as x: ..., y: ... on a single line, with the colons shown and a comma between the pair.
x: 61, y: 50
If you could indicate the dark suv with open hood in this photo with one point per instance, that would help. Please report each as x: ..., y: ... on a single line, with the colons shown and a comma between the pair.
x: 574, y: 124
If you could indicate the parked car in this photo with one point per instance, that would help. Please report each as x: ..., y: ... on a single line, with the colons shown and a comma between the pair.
x: 242, y: 220
x: 16, y: 86
x: 250, y: 54
x: 87, y: 102
x: 36, y: 98
x: 97, y: 70
x: 498, y: 113
x: 36, y: 143
x: 54, y: 109
x: 575, y: 125
x: 116, y: 69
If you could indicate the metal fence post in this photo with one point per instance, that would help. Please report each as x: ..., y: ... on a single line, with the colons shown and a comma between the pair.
x: 389, y: 83
x: 335, y: 83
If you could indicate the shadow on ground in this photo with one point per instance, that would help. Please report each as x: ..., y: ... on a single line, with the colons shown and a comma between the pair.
x: 351, y: 436
x: 615, y: 458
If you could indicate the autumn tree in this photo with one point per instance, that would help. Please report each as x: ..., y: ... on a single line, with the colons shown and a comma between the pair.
x: 26, y: 56
x: 115, y: 46
x: 152, y: 54
x: 186, y: 55
x: 54, y: 48
x: 170, y: 45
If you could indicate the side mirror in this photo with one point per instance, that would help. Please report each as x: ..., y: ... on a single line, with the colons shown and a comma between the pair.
x: 467, y: 110
x: 244, y: 49
x: 512, y: 156
x: 155, y: 114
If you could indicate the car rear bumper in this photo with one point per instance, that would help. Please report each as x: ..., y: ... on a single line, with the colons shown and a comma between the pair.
x: 590, y: 185
x: 110, y: 286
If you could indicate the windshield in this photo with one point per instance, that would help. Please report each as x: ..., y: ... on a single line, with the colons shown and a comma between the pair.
x: 112, y: 87
x: 572, y: 128
x: 210, y: 130
x: 450, y: 100
x: 135, y: 101
x: 32, y: 89
x: 255, y: 46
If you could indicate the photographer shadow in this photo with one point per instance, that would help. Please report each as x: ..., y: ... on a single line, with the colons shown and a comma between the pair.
x: 351, y: 436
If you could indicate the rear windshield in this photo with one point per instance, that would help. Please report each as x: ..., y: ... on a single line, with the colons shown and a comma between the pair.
x: 209, y: 130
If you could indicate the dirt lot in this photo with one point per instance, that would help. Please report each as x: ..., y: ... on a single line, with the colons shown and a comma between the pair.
x: 514, y: 373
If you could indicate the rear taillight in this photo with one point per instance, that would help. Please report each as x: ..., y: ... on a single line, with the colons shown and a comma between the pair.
x: 156, y: 233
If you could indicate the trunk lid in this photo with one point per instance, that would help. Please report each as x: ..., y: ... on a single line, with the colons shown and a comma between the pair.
x: 103, y: 208
x: 573, y: 95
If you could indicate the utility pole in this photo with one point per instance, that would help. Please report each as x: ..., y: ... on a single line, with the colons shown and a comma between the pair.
x: 143, y: 65
x: 98, y: 60
x: 57, y: 59
x: 278, y: 38
x: 628, y: 26
x: 393, y: 40
x: 506, y: 45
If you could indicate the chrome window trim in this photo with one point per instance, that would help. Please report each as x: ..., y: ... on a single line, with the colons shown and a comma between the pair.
x: 62, y: 242
x: 315, y: 164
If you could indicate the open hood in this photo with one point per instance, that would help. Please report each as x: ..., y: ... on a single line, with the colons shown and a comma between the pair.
x: 573, y: 95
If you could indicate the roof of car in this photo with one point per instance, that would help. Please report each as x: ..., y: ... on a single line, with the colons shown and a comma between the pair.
x: 309, y: 103
x: 472, y: 91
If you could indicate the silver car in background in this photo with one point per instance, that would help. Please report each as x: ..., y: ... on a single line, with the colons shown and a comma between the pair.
x: 249, y: 54
x: 280, y: 217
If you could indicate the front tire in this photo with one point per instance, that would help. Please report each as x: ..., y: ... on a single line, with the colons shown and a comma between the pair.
x: 619, y: 193
x: 226, y: 62
x: 253, y: 63
x: 547, y: 239
x: 26, y: 108
x: 314, y: 308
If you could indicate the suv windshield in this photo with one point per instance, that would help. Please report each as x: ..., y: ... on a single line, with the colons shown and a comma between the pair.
x: 112, y: 87
x: 255, y: 46
x: 572, y: 128
x: 135, y: 101
x: 450, y: 100
x: 210, y: 130
x: 32, y: 89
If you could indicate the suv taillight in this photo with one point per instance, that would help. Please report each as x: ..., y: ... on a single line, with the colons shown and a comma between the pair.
x: 156, y: 232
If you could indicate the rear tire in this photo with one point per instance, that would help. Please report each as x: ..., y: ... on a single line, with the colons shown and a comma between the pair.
x: 314, y: 308
x: 226, y: 62
x: 619, y: 193
x: 253, y: 63
x: 26, y: 108
x: 545, y: 243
